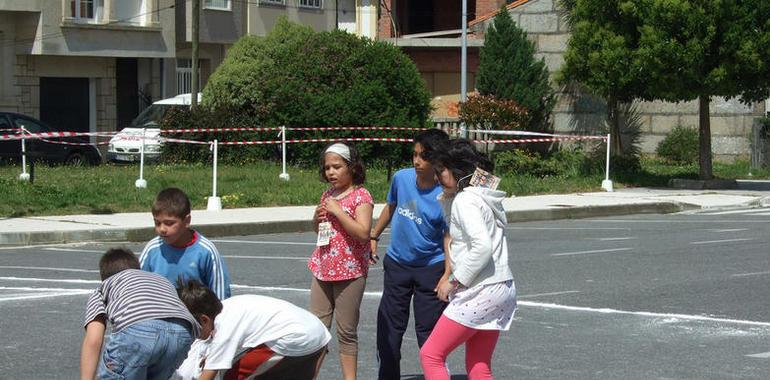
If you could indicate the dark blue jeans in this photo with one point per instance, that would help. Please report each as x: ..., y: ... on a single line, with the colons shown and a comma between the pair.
x: 403, y: 285
x: 150, y: 349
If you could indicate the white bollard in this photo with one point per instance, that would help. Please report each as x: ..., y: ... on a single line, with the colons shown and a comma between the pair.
x: 283, y: 176
x: 24, y: 176
x: 141, y: 183
x: 214, y: 203
x: 607, y: 184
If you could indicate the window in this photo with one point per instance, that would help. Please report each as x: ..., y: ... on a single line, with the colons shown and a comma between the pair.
x: 276, y: 2
x: 86, y: 9
x: 184, y: 76
x: 310, y: 3
x: 217, y: 4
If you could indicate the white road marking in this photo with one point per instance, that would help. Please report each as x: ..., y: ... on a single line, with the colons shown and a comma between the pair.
x: 549, y: 294
x: 66, y: 281
x: 730, y: 212
x: 51, y: 269
x: 261, y: 242
x: 762, y: 355
x: 521, y: 303
x: 718, y: 241
x: 614, y: 238
x: 591, y: 251
x: 749, y: 274
x: 74, y: 250
x: 266, y: 257
x: 50, y: 292
x: 688, y: 220
x: 566, y: 228
x: 730, y: 230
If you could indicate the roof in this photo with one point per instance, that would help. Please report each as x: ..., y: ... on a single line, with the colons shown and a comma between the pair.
x: 490, y: 15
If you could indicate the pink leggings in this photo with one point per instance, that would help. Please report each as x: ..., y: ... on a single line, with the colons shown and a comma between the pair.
x: 447, y: 335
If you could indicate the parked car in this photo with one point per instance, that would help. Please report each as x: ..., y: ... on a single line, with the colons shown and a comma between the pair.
x: 37, y: 149
x: 127, y: 144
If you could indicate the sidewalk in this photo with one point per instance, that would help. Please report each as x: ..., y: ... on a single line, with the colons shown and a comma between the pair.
x: 251, y: 221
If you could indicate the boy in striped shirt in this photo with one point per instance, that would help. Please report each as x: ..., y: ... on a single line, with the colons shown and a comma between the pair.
x: 180, y: 253
x: 151, y: 328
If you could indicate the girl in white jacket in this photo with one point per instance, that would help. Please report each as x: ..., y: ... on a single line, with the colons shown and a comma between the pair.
x: 480, y: 289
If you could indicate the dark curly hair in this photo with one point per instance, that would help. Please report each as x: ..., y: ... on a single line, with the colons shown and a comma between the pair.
x: 355, y: 165
x: 461, y: 159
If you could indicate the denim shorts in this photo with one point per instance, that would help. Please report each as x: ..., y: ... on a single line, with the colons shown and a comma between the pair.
x: 150, y: 349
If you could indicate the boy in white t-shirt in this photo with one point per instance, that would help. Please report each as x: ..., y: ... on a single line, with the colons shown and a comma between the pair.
x: 251, y: 336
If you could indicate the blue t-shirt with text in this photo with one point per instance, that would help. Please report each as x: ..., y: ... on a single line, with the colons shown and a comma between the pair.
x: 417, y: 226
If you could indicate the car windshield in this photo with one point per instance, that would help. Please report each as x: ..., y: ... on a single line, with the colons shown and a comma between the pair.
x: 152, y: 116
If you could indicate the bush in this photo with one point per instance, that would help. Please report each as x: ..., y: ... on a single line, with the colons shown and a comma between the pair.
x: 299, y: 78
x: 486, y: 110
x: 680, y: 146
x: 564, y: 162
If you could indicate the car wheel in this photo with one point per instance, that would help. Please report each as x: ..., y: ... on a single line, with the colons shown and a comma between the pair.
x: 75, y: 159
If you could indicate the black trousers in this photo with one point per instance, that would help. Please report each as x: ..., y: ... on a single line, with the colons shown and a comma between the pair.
x: 403, y: 285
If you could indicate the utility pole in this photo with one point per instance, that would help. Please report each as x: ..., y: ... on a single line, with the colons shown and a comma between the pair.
x: 196, y: 16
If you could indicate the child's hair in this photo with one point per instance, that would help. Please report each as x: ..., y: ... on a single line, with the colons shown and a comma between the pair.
x: 355, y: 164
x: 116, y: 260
x: 172, y: 201
x: 432, y: 140
x: 199, y: 299
x: 461, y: 158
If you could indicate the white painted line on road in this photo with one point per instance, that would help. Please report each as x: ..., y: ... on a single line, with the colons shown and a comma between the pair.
x: 749, y: 274
x: 567, y: 228
x: 49, y: 295
x: 762, y: 355
x: 261, y: 242
x: 66, y: 281
x: 28, y: 289
x: 762, y: 214
x: 643, y: 313
x: 718, y: 241
x: 266, y: 257
x: 730, y: 212
x: 74, y: 250
x: 730, y: 230
x: 51, y: 269
x: 549, y: 294
x: 615, y: 238
x: 672, y: 220
x: 591, y: 251
x: 51, y: 292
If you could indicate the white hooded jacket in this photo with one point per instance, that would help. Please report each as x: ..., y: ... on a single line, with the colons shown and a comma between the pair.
x: 479, y: 250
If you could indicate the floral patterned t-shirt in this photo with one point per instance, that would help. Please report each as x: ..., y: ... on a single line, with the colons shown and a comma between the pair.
x: 344, y: 258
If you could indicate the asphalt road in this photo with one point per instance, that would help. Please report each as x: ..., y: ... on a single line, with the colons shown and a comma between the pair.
x: 681, y: 296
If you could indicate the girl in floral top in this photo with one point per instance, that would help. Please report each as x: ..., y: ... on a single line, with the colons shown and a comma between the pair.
x: 340, y: 265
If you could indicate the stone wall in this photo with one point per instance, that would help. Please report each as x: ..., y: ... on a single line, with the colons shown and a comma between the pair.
x: 731, y: 121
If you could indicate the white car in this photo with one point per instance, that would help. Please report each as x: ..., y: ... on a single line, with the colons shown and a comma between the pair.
x: 127, y: 144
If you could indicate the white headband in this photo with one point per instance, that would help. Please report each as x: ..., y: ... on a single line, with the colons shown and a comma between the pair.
x: 340, y: 149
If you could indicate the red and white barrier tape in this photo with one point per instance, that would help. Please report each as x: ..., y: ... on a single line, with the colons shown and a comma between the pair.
x: 524, y: 141
x: 17, y: 130
x: 386, y: 139
x: 528, y: 133
x: 349, y: 128
x: 207, y: 130
x: 19, y: 136
x: 164, y: 139
x: 74, y: 143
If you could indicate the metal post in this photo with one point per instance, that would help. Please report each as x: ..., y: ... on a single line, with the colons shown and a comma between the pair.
x: 284, y: 176
x: 215, y: 203
x: 24, y: 176
x: 195, y: 77
x: 607, y: 184
x: 141, y: 183
x: 464, y: 64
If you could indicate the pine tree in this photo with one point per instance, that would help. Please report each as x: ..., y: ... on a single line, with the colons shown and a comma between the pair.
x: 508, y: 70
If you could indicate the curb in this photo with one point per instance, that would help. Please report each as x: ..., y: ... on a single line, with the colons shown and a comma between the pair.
x: 289, y: 226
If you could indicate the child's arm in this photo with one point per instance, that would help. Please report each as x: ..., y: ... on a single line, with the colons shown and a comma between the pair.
x: 216, y: 274
x: 92, y: 346
x: 442, y: 288
x: 359, y: 227
x: 207, y: 374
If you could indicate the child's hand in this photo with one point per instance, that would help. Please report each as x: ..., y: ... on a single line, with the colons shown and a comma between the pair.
x: 320, y: 213
x: 444, y: 289
x: 333, y: 207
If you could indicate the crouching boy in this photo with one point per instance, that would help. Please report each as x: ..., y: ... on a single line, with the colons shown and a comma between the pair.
x: 151, y: 328
x: 252, y: 337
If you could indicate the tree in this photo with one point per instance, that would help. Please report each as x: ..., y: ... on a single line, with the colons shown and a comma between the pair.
x: 673, y: 50
x: 297, y: 77
x: 508, y: 70
x: 599, y: 56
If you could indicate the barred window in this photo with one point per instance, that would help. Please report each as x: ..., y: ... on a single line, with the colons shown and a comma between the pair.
x: 217, y: 4
x: 310, y: 3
